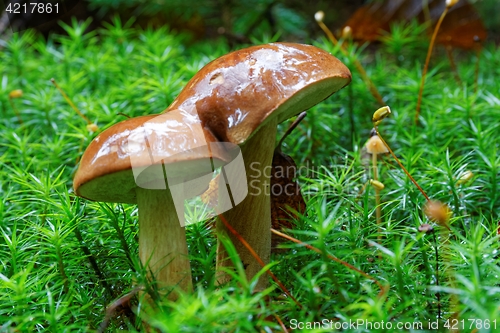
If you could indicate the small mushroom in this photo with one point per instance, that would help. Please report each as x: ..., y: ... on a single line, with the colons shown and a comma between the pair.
x: 240, y: 98
x: 127, y: 163
x: 375, y: 146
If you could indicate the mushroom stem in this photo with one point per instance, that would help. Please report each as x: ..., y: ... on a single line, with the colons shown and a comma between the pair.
x: 252, y: 217
x: 162, y: 240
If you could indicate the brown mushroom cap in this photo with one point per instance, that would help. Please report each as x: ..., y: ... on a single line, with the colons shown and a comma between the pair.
x: 177, y: 140
x: 237, y: 93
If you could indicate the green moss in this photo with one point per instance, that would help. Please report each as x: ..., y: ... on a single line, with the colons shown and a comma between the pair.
x: 63, y: 260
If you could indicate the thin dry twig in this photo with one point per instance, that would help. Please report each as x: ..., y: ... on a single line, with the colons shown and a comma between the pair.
x: 259, y: 260
x: 278, y: 319
x: 383, y: 289
x: 111, y: 309
x: 402, y: 166
x: 290, y: 129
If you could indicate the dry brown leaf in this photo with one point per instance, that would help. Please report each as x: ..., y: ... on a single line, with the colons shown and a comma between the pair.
x: 286, y: 197
x: 462, y: 26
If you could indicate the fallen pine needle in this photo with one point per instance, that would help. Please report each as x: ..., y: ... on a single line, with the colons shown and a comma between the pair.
x: 120, y: 302
x: 383, y: 289
x: 281, y: 323
x: 259, y: 260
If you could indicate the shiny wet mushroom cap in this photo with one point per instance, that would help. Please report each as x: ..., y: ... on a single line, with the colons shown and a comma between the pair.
x: 105, y: 172
x: 239, y: 92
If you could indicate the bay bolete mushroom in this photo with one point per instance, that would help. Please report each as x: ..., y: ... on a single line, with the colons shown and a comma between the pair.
x: 240, y: 98
x: 137, y: 161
